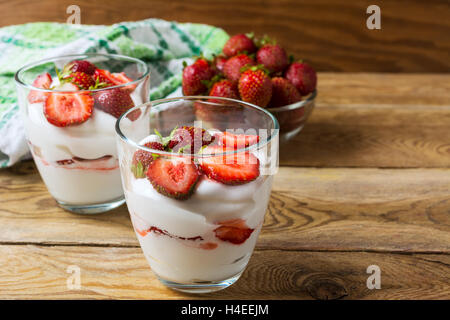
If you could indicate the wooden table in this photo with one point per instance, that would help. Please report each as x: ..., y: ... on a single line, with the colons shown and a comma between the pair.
x: 367, y: 182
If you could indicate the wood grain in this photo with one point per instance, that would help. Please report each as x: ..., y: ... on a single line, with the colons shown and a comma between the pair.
x: 381, y: 136
x: 331, y: 34
x: 382, y: 197
x: 122, y: 273
x: 310, y: 209
x: 375, y: 120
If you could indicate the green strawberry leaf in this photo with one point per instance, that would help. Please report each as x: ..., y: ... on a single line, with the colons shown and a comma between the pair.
x: 138, y: 170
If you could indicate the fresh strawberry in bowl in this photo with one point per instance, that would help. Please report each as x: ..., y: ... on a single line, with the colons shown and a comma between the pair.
x: 263, y: 73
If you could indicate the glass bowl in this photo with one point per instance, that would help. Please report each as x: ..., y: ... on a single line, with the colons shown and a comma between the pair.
x: 293, y: 117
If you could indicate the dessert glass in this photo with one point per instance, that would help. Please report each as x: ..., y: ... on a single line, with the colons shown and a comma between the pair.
x: 78, y: 162
x: 180, y: 238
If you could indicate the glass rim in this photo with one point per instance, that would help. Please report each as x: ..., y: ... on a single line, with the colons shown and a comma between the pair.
x: 256, y: 146
x: 21, y: 83
x: 298, y: 104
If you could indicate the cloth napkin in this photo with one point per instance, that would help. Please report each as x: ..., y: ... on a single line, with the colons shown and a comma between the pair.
x: 163, y: 45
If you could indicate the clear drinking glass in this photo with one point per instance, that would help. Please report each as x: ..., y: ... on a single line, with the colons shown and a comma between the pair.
x: 201, y: 237
x: 78, y: 161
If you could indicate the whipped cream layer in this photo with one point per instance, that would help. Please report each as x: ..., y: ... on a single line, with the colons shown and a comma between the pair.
x: 91, y: 139
x: 90, y: 183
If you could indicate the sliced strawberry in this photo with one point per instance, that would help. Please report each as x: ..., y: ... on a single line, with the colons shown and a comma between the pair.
x: 237, y: 141
x: 231, y: 169
x: 43, y: 81
x: 234, y: 231
x: 65, y: 109
x: 121, y: 78
x: 82, y: 80
x: 142, y: 158
x: 105, y: 76
x: 191, y: 138
x: 65, y: 162
x: 173, y: 177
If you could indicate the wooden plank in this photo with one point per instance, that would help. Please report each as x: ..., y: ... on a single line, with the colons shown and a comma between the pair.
x: 408, y: 90
x: 332, y: 34
x: 40, y: 272
x: 375, y: 120
x: 310, y: 209
x: 381, y: 136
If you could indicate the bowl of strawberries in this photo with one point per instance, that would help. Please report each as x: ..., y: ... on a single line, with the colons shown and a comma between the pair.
x: 257, y: 71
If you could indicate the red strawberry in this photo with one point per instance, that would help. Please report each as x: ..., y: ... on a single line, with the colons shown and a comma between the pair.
x: 173, y: 177
x: 234, y: 231
x: 65, y: 162
x: 81, y: 66
x: 233, y: 67
x: 232, y: 169
x: 82, y: 80
x: 189, y: 136
x: 273, y: 57
x: 142, y: 159
x: 237, y: 44
x: 224, y: 88
x: 194, y: 77
x: 113, y: 79
x: 219, y: 63
x: 121, y: 78
x: 105, y: 76
x: 65, y: 109
x: 302, y: 76
x: 283, y: 93
x: 255, y: 87
x: 237, y: 141
x: 43, y: 81
x: 114, y: 101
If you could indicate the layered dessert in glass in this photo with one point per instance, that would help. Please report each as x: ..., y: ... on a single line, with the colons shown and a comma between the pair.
x: 197, y: 191
x: 69, y: 105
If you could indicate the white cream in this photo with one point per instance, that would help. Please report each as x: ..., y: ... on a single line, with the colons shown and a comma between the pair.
x: 93, y: 139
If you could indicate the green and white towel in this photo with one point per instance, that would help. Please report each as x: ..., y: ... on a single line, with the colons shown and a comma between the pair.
x: 161, y: 44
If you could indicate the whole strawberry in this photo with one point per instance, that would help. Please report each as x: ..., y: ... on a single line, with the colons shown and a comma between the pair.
x: 141, y: 159
x: 302, y: 76
x: 224, y: 88
x: 189, y: 139
x: 195, y: 76
x: 114, y: 101
x: 219, y: 63
x: 82, y: 80
x: 232, y: 68
x: 255, y: 86
x: 81, y: 66
x: 283, y: 93
x: 273, y: 57
x: 237, y: 44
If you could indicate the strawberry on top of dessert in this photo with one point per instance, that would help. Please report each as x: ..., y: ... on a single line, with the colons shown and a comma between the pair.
x: 176, y: 175
x: 74, y: 102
